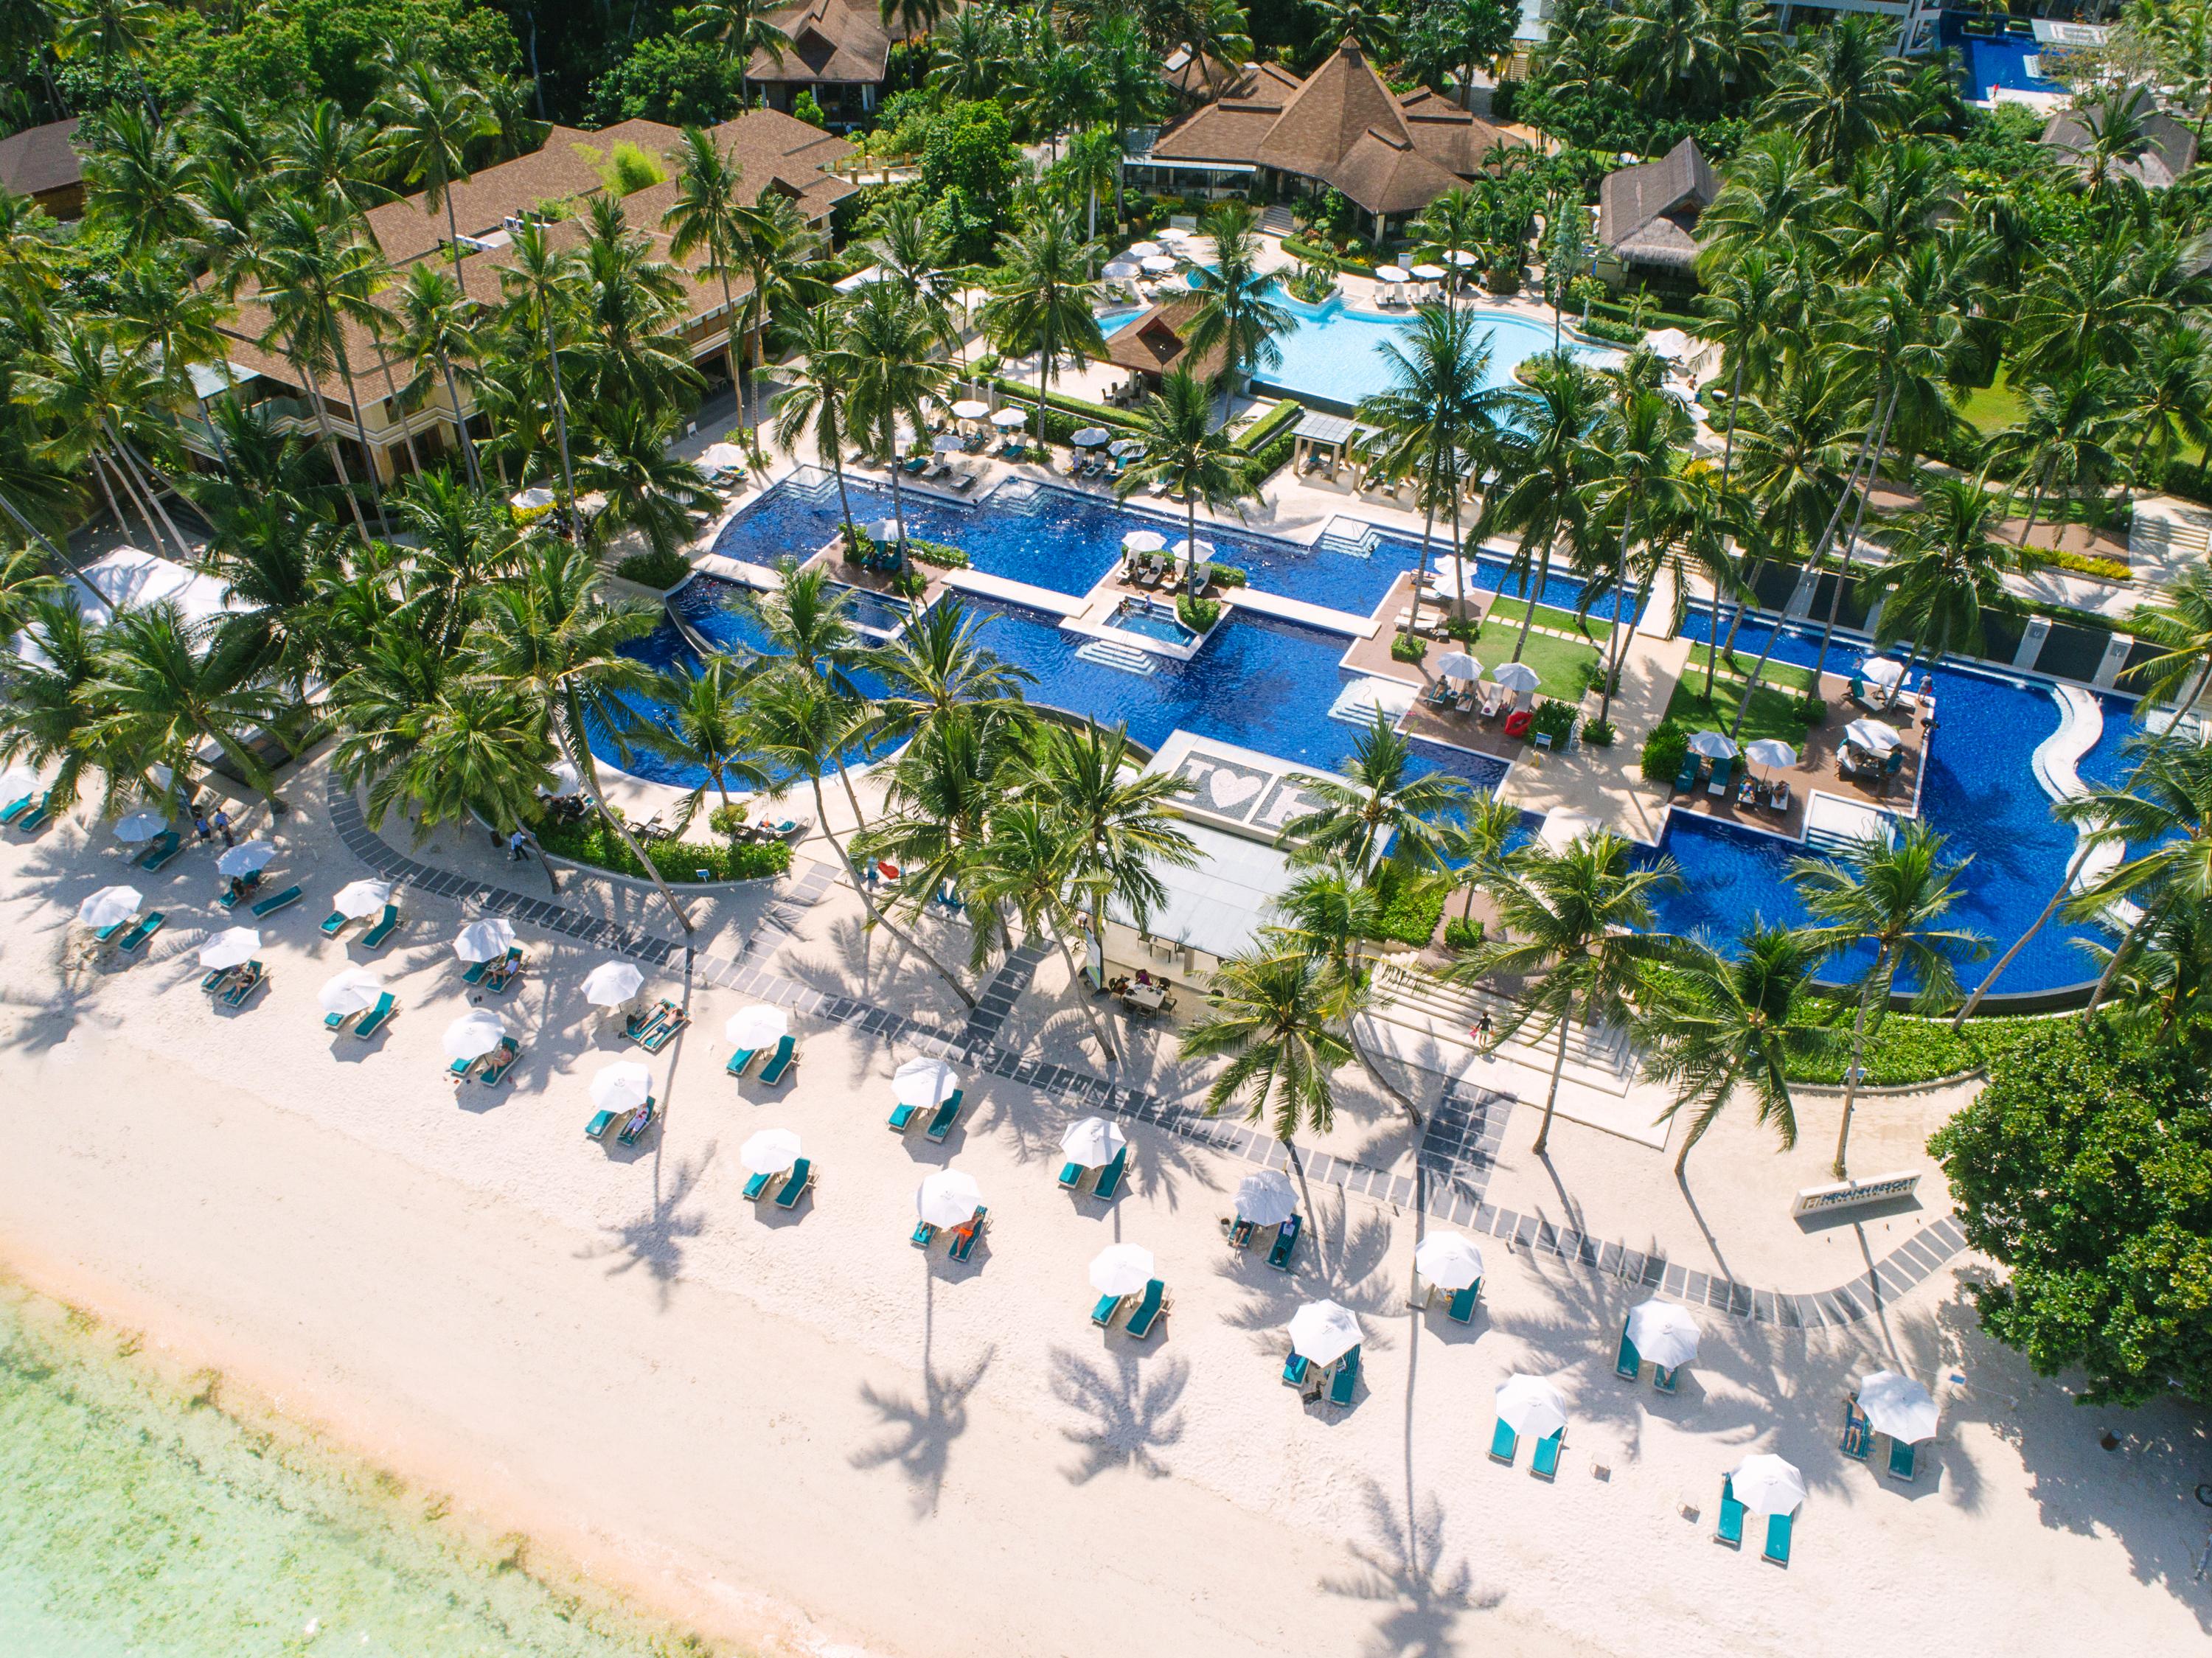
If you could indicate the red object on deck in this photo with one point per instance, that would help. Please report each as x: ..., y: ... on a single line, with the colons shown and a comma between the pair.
x: 1517, y: 722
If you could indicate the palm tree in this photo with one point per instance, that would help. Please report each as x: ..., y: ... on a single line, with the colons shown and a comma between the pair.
x: 1184, y: 451
x: 1575, y: 924
x: 1774, y: 200
x: 540, y: 284
x: 49, y: 717
x: 140, y: 178
x: 649, y: 488
x: 2065, y: 440
x: 91, y: 388
x: 320, y: 153
x: 2181, y: 622
x: 776, y: 245
x: 428, y: 124
x: 1274, y: 1016
x: 740, y: 28
x: 1378, y: 805
x: 631, y: 308
x: 1027, y: 864
x: 1713, y: 1023
x: 2168, y: 396
x: 1434, y: 419
x: 1475, y: 845
x: 968, y: 57
x: 1544, y: 449
x: 167, y: 688
x: 937, y: 666
x: 1328, y: 911
x: 1090, y: 170
x: 1369, y: 25
x: 1889, y: 897
x: 892, y: 377
x: 475, y: 754
x: 432, y: 330
x: 463, y: 542
x: 1842, y: 93
x: 808, y: 619
x: 1041, y: 296
x: 706, y: 217
x: 1946, y: 566
x: 1635, y: 472
x: 709, y: 726
x: 1233, y: 317
x: 1113, y: 816
x: 941, y: 792
x: 813, y: 403
x: 800, y: 727
x: 552, y: 638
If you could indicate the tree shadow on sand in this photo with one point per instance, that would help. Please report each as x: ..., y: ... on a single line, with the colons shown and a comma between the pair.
x: 655, y: 1240
x: 1421, y: 1595
x: 919, y: 1433
x: 1130, y: 1411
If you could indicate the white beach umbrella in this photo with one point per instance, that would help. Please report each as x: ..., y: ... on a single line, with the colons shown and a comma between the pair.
x: 484, y: 941
x: 1323, y: 1332
x: 1714, y: 745
x: 1090, y: 437
x: 1516, y: 676
x: 1530, y: 1405
x: 535, y: 499
x: 756, y: 1027
x: 611, y: 984
x: 924, y: 1083
x: 1767, y: 1484
x: 1266, y: 1198
x: 1121, y: 1269
x: 110, y: 905
x: 1563, y: 826
x: 1158, y: 264
x: 355, y: 990
x: 884, y: 529
x: 1458, y: 665
x: 1770, y: 751
x: 1882, y: 670
x: 140, y: 827
x: 968, y: 409
x: 1449, y: 1259
x: 234, y: 946
x: 948, y: 444
x: 1125, y: 447
x: 1898, y: 1407
x: 566, y: 784
x: 1453, y: 574
x: 1119, y: 270
x: 357, y: 900
x: 161, y: 776
x: 1187, y: 550
x: 1391, y: 273
x: 622, y: 1086
x: 1143, y: 250
x: 1663, y: 1332
x: 1175, y: 234
x: 1009, y: 419
x: 15, y: 783
x: 1143, y: 541
x: 722, y: 458
x: 474, y: 1034
x: 948, y: 1198
x: 1462, y: 257
x: 1428, y: 273
x: 1093, y: 1142
x: 770, y: 1151
x: 246, y: 858
x: 1871, y: 734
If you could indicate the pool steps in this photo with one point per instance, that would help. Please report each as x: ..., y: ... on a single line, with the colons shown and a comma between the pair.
x: 1353, y: 538
x: 1127, y: 659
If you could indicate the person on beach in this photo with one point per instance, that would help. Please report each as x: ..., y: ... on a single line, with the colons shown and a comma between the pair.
x: 223, y: 827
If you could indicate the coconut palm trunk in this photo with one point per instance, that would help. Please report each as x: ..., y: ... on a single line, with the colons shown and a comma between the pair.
x: 1421, y: 573
x: 876, y: 916
x: 1858, y: 1063
x: 560, y: 426
x: 1075, y: 984
x: 1852, y: 541
x: 406, y: 432
x: 1527, y: 599
x: 331, y: 444
x: 376, y: 486
x: 1551, y: 1094
x: 1617, y: 642
x: 2058, y: 896
x: 460, y: 419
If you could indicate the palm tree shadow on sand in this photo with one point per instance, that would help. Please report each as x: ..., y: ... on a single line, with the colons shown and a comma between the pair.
x: 1129, y: 1414
x: 1404, y: 1572
x: 919, y: 1432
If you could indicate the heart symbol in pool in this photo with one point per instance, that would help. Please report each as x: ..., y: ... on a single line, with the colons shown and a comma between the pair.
x: 1228, y: 789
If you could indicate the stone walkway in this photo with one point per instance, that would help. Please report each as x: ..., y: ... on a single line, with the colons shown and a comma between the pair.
x: 1459, y: 1143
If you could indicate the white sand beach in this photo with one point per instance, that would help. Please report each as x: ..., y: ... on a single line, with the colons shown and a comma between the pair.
x: 798, y: 1434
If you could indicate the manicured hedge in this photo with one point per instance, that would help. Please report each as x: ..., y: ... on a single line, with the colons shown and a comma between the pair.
x: 592, y: 842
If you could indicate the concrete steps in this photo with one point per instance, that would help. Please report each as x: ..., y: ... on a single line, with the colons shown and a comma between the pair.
x: 1126, y: 658
x: 1410, y: 995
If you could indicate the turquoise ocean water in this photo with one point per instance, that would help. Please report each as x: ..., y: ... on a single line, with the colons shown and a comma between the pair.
x: 137, y: 1520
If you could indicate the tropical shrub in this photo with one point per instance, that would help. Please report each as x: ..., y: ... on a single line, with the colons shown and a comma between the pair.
x: 592, y: 842
x: 1664, y: 751
x: 657, y: 570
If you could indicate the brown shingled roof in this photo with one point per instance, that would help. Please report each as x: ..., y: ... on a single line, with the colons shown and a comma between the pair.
x: 1649, y: 212
x: 1153, y: 345
x: 38, y: 160
x: 840, y: 42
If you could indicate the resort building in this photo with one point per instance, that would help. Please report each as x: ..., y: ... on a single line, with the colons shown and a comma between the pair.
x: 773, y: 150
x: 1340, y: 128
x: 2169, y: 151
x: 1647, y: 214
x: 41, y: 165
x: 1153, y: 346
x: 840, y: 51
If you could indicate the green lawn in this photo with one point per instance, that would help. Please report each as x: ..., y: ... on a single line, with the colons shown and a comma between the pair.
x: 1993, y: 407
x: 1508, y: 613
x: 1773, y: 712
x: 1788, y: 675
x: 1558, y: 660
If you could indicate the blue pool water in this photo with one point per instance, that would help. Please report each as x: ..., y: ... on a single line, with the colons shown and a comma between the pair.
x: 1153, y: 620
x: 1334, y: 355
x: 1999, y: 62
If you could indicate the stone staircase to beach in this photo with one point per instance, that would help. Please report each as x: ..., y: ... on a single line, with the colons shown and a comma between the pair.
x: 1127, y: 657
x: 1279, y: 221
x: 1410, y: 995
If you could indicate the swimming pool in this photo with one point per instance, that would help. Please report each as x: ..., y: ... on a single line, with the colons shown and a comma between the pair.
x: 1989, y: 61
x: 1335, y: 355
x: 1150, y: 620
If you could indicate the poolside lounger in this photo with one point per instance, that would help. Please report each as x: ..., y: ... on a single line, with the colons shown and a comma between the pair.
x: 1286, y: 1240
x: 672, y: 1019
x: 1504, y: 1443
x: 386, y: 923
x: 1104, y: 1314
x: 1294, y: 1370
x: 741, y: 1061
x: 1345, y: 1381
x: 1858, y: 1432
x: 640, y: 1120
x: 757, y: 1187
x: 1628, y: 1364
x: 495, y: 1074
x: 248, y: 885
x: 1724, y: 768
x: 459, y: 1070
x: 243, y: 987
x: 1778, y: 1540
x: 924, y: 1234
x: 597, y: 1128
x: 780, y: 1061
x: 1686, y: 778
x: 940, y: 1124
x: 474, y: 974
x: 217, y: 977
x: 1109, y: 1177
x: 1237, y: 1230
x: 1545, y: 1464
x: 499, y: 975
x: 902, y: 1118
x: 135, y: 940
x: 1150, y: 1311
x: 1777, y: 800
x: 963, y: 1237
x: 283, y: 900
x: 335, y: 923
x: 35, y: 819
x: 1071, y: 1174
x: 106, y: 935
x: 1729, y: 1528
x: 795, y: 1184
x: 373, y: 1020
x: 17, y: 808
x: 1665, y: 1379
x: 1460, y: 1308
x: 162, y: 849
x: 1903, y: 1460
x: 636, y: 1026
x: 331, y: 1021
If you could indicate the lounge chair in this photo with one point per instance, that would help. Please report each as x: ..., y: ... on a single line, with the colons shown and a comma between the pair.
x: 495, y: 1074
x: 638, y: 1026
x: 1665, y: 1379
x: 1729, y: 1529
x: 1686, y: 778
x: 741, y: 1061
x: 1504, y: 1443
x: 283, y: 900
x: 244, y: 984
x: 1858, y: 1432
x: 757, y: 1187
x: 335, y: 923
x: 1628, y: 1363
x: 1294, y: 1369
x: 1903, y: 1460
x: 1071, y: 1174
x: 499, y: 975
x: 940, y: 1123
x: 35, y: 819
x: 963, y: 1237
x: 672, y: 1019
x: 1438, y: 696
x: 1778, y: 1540
x: 247, y: 886
x: 1286, y: 1240
x: 640, y: 1120
x: 1104, y: 1314
x: 1148, y: 1310
x: 1109, y: 1177
x: 1724, y: 768
x: 1346, y: 1379
x: 460, y: 1070
x: 1460, y: 1308
x: 386, y: 924
x: 158, y: 850
x: 1238, y: 1230
x: 135, y: 940
x: 106, y: 935
x: 17, y: 808
x: 373, y: 1020
x: 780, y: 1061
x: 597, y: 1128
x: 474, y: 974
x: 795, y: 1184
x: 1778, y: 798
x: 1545, y: 1464
x: 217, y: 977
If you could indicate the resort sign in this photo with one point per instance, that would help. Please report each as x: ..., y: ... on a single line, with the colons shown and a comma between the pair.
x: 1855, y: 1193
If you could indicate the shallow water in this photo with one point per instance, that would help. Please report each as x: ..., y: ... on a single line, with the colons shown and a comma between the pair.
x: 135, y: 1523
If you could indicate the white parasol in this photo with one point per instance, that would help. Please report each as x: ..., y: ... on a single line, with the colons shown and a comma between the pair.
x: 1093, y: 1142
x: 484, y: 941
x: 474, y: 1034
x: 357, y: 900
x: 536, y: 499
x: 924, y: 1083
x: 1121, y: 270
x: 1266, y: 1198
x: 16, y: 784
x: 1449, y: 1259
x: 1391, y: 273
x: 622, y: 1086
x: 566, y: 784
x: 1898, y: 1407
x: 1121, y: 1269
x: 246, y: 858
x: 1008, y: 420
x: 1125, y: 447
x: 232, y: 947
x: 1144, y: 249
x: 1458, y: 665
x: 1186, y: 551
x: 1882, y: 670
x: 1322, y: 1333
x: 1158, y: 264
x: 722, y: 458
x: 1090, y: 437
x: 611, y: 984
x: 948, y: 1198
x: 758, y: 1026
x: 1663, y: 1332
x: 886, y: 531
x: 355, y: 991
x: 1765, y: 1484
x: 1714, y: 745
x: 1770, y: 751
x: 1516, y: 677
x: 110, y: 905
x: 1462, y: 257
x: 1872, y: 736
x: 968, y: 409
x: 1143, y: 541
x: 140, y: 827
x: 1530, y: 1405
x: 1428, y: 273
x: 771, y: 1151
